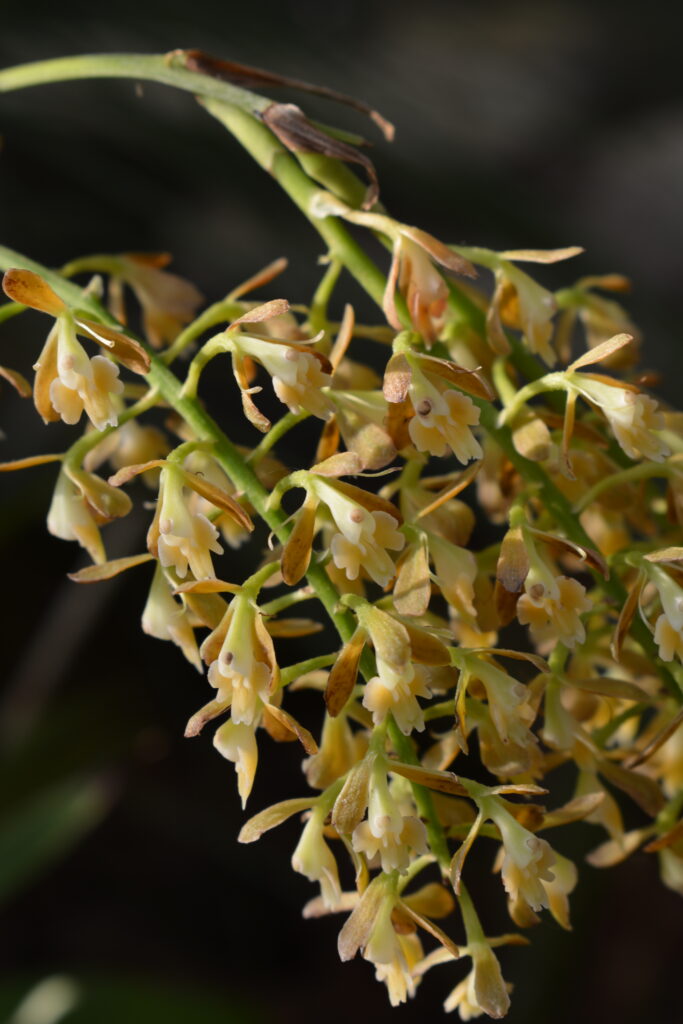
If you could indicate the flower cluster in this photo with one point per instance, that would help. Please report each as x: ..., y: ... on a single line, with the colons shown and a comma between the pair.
x: 461, y: 493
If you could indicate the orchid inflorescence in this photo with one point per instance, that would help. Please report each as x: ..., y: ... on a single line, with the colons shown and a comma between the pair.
x: 481, y: 415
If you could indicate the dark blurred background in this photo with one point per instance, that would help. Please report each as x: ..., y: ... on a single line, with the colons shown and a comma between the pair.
x: 518, y: 125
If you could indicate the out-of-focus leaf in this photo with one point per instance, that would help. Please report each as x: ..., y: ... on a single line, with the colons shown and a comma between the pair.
x: 48, y: 1002
x: 10, y: 309
x: 41, y: 830
x: 130, y: 999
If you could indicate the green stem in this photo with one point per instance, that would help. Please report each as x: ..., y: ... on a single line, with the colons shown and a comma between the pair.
x: 334, y: 176
x: 101, y: 263
x: 601, y: 736
x: 557, y: 659
x: 674, y: 441
x: 668, y: 816
x: 271, y: 155
x: 252, y: 585
x: 216, y: 346
x: 504, y: 386
x: 325, y: 802
x: 438, y: 844
x: 219, y: 313
x: 317, y: 319
x: 413, y: 870
x: 382, y: 335
x: 276, y: 432
x: 162, y: 69
x: 444, y: 709
x: 550, y: 382
x: 285, y: 601
x: 181, y: 452
x: 291, y: 672
x: 10, y: 309
x: 643, y: 471
x: 470, y: 918
x: 411, y: 472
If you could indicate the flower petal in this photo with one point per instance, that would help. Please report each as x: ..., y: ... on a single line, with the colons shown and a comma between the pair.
x: 31, y: 290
